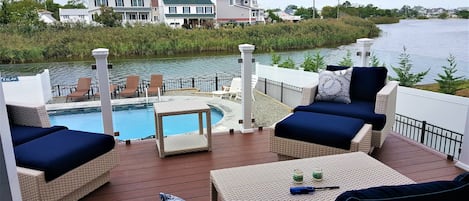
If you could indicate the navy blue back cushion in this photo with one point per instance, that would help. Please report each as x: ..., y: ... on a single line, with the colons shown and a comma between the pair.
x: 334, y: 68
x: 458, y: 189
x: 366, y: 81
x: 62, y: 151
x: 357, y: 109
x: 21, y: 134
x: 325, y: 129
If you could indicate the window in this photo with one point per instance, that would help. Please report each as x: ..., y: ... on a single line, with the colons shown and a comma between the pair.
x: 119, y: 3
x: 138, y: 3
x: 199, y: 10
x: 81, y: 16
x: 186, y: 10
x: 172, y: 10
x: 132, y: 17
x: 99, y: 3
x: 66, y: 17
x: 143, y: 16
x: 208, y: 10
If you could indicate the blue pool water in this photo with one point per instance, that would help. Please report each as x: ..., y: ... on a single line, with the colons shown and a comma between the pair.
x: 132, y: 122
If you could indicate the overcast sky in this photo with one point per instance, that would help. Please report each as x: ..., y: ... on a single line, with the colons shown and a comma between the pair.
x: 379, y: 3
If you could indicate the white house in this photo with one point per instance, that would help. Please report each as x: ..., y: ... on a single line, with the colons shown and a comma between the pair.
x: 239, y: 11
x: 287, y: 17
x: 132, y: 10
x: 74, y: 16
x: 194, y: 13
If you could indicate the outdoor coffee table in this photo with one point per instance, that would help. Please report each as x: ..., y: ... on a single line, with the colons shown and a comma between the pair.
x: 183, y: 143
x: 272, y: 181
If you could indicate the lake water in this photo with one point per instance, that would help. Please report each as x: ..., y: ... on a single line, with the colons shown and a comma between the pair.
x: 429, y: 43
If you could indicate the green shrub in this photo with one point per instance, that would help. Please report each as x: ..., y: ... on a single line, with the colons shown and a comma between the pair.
x: 404, y: 75
x: 289, y: 63
x: 448, y: 82
x: 313, y: 63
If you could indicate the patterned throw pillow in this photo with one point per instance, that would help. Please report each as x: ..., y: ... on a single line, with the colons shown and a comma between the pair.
x: 334, y: 86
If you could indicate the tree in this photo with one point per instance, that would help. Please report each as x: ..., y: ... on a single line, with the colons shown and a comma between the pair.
x: 108, y: 17
x: 24, y: 12
x: 443, y: 15
x: 463, y: 14
x: 448, y: 82
x: 314, y: 63
x: 404, y: 75
x: 273, y: 16
x: 347, y: 60
x: 306, y: 13
x: 329, y: 12
x: 74, y: 4
x: 5, y: 12
x: 53, y: 7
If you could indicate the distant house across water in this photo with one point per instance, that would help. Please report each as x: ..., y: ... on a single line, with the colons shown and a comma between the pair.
x: 75, y: 16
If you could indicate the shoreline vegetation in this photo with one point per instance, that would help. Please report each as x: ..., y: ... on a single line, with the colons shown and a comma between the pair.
x: 463, y: 88
x: 65, y: 43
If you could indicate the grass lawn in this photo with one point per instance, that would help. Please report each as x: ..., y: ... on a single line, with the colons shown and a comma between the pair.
x: 463, y: 88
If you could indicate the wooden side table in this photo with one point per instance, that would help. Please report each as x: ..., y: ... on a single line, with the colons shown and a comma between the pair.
x: 177, y: 144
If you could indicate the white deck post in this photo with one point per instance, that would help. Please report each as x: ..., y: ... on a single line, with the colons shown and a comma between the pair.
x: 246, y: 79
x: 9, y: 184
x: 100, y: 55
x: 364, y: 45
x: 463, y: 162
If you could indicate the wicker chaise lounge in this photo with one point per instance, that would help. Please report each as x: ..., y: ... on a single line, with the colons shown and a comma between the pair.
x: 383, y: 103
x: 72, y: 185
x: 331, y: 120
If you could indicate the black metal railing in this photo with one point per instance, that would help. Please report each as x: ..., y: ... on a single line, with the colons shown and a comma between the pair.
x: 435, y: 137
x: 204, y: 84
x: 277, y: 90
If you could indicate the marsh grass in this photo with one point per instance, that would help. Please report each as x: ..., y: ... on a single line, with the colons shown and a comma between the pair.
x: 64, y: 42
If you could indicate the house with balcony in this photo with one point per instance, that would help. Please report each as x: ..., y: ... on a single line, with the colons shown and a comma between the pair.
x: 239, y: 11
x: 188, y: 14
x: 132, y: 11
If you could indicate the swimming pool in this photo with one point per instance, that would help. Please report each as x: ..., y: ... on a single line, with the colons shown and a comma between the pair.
x: 131, y: 121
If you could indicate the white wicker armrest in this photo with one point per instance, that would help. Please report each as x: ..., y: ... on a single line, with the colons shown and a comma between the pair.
x: 386, y: 104
x: 386, y: 98
x: 309, y: 93
x: 29, y: 116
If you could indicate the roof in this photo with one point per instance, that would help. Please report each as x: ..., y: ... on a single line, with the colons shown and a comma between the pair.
x: 191, y: 15
x: 187, y: 2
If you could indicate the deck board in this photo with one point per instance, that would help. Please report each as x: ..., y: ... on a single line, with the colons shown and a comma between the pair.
x: 142, y: 175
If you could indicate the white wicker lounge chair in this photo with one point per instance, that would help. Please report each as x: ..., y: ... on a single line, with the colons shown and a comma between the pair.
x: 74, y: 184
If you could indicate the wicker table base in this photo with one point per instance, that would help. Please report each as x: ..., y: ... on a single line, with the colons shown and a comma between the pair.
x: 272, y: 181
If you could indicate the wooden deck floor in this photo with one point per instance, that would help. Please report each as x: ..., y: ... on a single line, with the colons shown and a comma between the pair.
x: 142, y: 175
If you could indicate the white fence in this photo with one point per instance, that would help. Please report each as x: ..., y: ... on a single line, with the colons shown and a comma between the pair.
x: 446, y: 111
x: 29, y: 90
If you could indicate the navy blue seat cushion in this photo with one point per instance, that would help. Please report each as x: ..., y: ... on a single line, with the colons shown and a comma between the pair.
x: 61, y: 151
x: 458, y: 189
x: 324, y: 129
x: 365, y: 82
x: 21, y: 134
x: 356, y: 109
